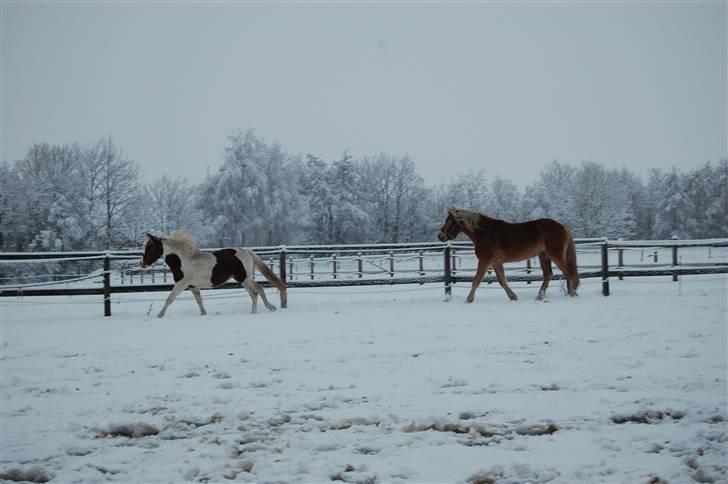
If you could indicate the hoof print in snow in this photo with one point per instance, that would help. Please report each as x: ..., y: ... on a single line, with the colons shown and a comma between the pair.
x: 237, y: 468
x: 32, y: 474
x: 346, y: 423
x: 368, y: 450
x: 550, y: 388
x: 132, y: 431
x: 278, y: 421
x: 350, y: 474
x: 656, y: 480
x: 648, y: 416
x: 537, y: 429
x: 515, y: 473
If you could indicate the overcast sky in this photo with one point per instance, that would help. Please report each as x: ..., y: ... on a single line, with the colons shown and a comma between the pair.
x: 502, y: 87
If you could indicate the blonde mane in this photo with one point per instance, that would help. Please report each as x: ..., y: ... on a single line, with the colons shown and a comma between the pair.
x: 469, y: 218
x: 182, y: 242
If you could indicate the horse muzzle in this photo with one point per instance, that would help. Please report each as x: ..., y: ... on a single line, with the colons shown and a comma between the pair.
x: 442, y: 237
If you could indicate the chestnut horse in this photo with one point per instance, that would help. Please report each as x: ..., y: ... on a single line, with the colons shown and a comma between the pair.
x: 497, y: 241
x: 194, y: 269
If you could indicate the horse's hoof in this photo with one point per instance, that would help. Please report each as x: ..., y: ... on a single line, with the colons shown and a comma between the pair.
x: 160, y: 315
x: 272, y: 308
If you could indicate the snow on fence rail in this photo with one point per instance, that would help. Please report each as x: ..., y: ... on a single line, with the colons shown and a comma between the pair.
x: 371, y: 264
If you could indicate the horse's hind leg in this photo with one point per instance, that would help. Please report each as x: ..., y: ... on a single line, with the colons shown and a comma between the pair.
x: 198, y: 298
x: 500, y: 274
x: 561, y: 264
x: 261, y: 291
x: 547, y: 274
x: 255, y: 289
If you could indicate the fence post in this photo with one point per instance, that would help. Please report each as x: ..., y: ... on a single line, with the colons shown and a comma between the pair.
x: 605, y: 268
x: 282, y: 272
x: 454, y: 260
x: 448, y: 274
x: 312, y: 266
x: 359, y: 265
x: 333, y: 263
x: 107, y: 285
x: 528, y: 270
x: 391, y: 264
x: 422, y: 263
x: 674, y: 258
x: 620, y: 260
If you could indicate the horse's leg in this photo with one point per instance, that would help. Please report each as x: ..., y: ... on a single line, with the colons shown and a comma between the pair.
x: 253, y: 294
x: 547, y: 274
x: 482, y: 267
x: 500, y: 274
x: 261, y: 291
x: 561, y: 264
x: 176, y: 290
x: 198, y: 298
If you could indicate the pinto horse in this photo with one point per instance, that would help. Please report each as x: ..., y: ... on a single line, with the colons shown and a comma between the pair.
x: 196, y: 269
x: 497, y: 241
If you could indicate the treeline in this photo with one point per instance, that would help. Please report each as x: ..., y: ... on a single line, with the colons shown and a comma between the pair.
x: 73, y: 197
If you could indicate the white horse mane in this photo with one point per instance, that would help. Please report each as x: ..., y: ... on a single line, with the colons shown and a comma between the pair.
x: 181, y: 241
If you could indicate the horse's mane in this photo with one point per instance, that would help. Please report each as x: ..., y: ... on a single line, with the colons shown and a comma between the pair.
x: 181, y: 241
x: 469, y: 218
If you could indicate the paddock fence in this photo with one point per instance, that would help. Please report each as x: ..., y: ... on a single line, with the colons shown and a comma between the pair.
x: 108, y: 272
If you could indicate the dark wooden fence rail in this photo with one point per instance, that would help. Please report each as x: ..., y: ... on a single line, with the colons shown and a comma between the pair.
x: 448, y: 275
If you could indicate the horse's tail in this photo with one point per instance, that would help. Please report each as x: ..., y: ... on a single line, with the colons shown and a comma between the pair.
x: 571, y: 260
x: 271, y: 276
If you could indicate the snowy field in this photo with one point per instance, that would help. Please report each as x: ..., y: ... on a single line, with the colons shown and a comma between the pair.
x: 376, y: 384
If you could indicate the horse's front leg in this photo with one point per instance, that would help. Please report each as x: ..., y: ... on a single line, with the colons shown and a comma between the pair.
x: 483, y: 265
x: 198, y: 298
x: 500, y: 274
x: 176, y: 290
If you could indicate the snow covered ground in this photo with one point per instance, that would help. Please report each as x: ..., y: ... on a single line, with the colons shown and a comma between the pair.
x: 376, y: 384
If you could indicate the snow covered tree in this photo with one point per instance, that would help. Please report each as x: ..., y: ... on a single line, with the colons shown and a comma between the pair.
x: 119, y: 193
x: 716, y: 223
x: 468, y: 190
x: 672, y: 207
x: 601, y: 203
x: 395, y: 199
x: 253, y: 198
x: 505, y: 201
x: 171, y: 205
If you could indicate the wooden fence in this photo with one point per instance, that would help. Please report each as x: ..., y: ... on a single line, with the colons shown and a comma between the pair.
x: 359, y: 265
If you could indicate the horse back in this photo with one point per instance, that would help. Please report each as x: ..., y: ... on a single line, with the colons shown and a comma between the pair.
x: 508, y: 242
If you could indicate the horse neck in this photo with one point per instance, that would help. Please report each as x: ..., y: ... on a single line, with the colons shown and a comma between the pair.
x: 168, y: 249
x: 485, y: 225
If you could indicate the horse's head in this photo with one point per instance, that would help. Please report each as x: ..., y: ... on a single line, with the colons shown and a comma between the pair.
x: 152, y: 251
x: 452, y: 227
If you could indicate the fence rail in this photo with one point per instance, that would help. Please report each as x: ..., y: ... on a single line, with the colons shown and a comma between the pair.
x: 377, y: 264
